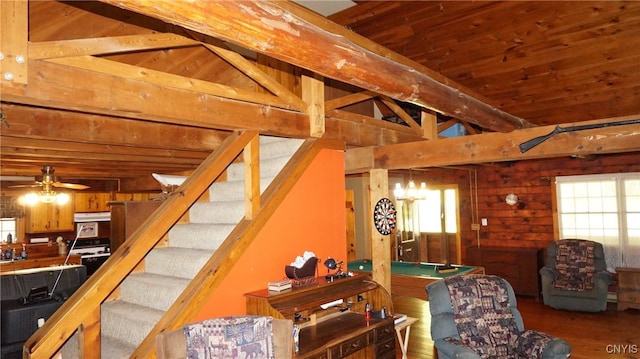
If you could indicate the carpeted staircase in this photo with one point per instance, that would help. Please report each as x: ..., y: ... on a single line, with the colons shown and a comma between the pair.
x: 145, y: 296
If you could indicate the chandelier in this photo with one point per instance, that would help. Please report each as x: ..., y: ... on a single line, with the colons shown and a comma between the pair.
x: 410, y: 192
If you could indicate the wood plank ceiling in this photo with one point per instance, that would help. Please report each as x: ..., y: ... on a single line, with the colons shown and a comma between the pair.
x: 549, y: 62
x: 116, y: 92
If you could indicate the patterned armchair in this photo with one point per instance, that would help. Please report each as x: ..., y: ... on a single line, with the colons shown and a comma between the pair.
x: 243, y: 336
x: 575, y: 276
x: 475, y: 316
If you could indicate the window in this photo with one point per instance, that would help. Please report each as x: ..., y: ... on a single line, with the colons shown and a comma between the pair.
x: 7, y: 226
x: 432, y: 212
x: 603, y: 208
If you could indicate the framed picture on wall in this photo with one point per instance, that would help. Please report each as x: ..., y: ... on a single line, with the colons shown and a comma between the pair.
x: 87, y: 229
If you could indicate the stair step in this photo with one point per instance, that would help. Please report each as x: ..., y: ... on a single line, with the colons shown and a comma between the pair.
x: 230, y: 212
x: 128, y: 322
x: 268, y: 168
x: 153, y: 290
x: 271, y: 147
x: 233, y: 190
x: 176, y: 262
x: 207, y: 236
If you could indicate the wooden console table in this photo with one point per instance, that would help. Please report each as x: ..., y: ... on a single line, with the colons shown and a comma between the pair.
x: 336, y: 332
x: 628, y: 288
x: 519, y: 266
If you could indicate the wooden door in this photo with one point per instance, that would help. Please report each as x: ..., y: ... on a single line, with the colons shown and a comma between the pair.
x: 407, y: 244
x: 440, y: 226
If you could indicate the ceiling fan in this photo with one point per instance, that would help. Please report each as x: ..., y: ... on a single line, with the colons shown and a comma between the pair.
x: 48, y: 182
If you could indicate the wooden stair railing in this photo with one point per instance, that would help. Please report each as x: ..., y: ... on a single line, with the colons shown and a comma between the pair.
x: 200, y: 289
x: 82, y: 310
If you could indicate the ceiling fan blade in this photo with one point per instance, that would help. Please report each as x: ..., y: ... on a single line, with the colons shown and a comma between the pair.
x: 69, y: 185
x: 17, y: 179
x: 25, y: 185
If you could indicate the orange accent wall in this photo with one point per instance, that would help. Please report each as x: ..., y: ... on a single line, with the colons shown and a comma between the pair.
x: 311, y: 218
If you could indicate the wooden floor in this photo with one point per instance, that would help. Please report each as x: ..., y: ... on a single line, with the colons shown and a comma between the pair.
x: 591, y: 335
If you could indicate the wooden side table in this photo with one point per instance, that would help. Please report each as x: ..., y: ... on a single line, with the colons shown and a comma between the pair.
x: 406, y: 324
x: 628, y: 288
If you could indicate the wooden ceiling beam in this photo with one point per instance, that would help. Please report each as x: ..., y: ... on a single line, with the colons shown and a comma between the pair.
x: 495, y: 147
x: 300, y: 37
x: 14, y: 35
x: 19, y: 147
x: 107, y: 45
x: 66, y: 87
x: 27, y: 122
x: 500, y: 147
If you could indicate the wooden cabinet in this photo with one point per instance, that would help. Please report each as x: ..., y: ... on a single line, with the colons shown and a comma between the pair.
x: 92, y: 201
x: 126, y: 217
x: 336, y: 332
x: 49, y: 217
x: 519, y: 266
x: 628, y: 288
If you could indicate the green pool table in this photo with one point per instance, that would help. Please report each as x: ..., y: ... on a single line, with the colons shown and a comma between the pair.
x: 410, y: 278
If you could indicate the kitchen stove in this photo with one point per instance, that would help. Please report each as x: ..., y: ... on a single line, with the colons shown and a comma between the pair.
x: 93, y: 252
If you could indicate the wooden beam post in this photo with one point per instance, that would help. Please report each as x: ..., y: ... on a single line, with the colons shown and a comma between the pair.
x: 13, y: 40
x: 251, y: 157
x: 429, y: 122
x: 313, y: 95
x: 380, y: 244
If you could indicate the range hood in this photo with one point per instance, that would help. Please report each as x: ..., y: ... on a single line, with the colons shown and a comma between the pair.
x: 92, y: 217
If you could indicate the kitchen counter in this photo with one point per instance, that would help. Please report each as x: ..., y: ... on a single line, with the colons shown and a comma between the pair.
x: 10, y: 266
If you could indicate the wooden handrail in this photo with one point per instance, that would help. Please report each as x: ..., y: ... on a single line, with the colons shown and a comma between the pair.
x: 47, y: 340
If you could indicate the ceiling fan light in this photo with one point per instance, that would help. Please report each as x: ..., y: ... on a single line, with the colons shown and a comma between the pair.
x: 62, y: 198
x: 30, y: 198
x: 47, y: 197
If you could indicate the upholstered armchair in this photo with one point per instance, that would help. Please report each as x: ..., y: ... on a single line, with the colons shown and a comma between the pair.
x: 244, y: 336
x: 476, y: 316
x: 575, y: 276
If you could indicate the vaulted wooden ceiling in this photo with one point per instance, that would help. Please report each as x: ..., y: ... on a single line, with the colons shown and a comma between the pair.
x: 549, y: 62
x: 121, y: 89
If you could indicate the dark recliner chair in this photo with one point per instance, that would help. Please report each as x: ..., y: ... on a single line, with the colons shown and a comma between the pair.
x: 575, y: 276
x: 476, y: 316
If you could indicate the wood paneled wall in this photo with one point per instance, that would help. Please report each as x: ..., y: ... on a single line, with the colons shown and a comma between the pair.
x: 531, y: 222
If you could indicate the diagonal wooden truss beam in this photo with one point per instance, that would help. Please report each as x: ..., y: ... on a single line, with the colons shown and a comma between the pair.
x: 127, y: 71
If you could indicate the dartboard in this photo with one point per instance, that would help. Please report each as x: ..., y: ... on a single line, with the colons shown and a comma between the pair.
x: 384, y: 216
